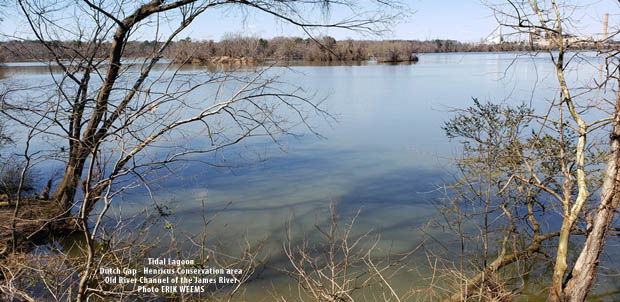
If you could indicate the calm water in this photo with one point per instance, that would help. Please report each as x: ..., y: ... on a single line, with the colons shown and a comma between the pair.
x: 385, y: 154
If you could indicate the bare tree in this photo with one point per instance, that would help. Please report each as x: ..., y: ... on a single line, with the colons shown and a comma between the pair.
x: 578, y: 284
x: 107, y: 118
x: 94, y: 107
x: 498, y: 216
x: 563, y: 179
x: 554, y: 20
x: 339, y: 266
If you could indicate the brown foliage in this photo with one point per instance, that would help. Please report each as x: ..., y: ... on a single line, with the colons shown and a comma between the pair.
x: 243, y: 49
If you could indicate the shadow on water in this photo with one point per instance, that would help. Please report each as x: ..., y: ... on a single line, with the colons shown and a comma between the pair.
x: 297, y: 189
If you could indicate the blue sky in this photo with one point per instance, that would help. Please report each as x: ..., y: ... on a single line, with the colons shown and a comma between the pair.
x: 465, y: 20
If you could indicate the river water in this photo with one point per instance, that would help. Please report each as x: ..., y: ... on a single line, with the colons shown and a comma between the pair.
x: 384, y: 152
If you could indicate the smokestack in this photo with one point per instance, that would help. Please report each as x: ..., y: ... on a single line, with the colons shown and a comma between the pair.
x: 605, y: 26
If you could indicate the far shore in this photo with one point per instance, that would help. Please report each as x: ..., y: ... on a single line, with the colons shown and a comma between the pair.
x: 244, y: 51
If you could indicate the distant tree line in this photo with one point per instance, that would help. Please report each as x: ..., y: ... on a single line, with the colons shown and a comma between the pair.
x: 235, y: 48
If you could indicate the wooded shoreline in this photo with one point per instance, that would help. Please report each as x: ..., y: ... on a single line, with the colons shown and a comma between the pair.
x: 248, y: 50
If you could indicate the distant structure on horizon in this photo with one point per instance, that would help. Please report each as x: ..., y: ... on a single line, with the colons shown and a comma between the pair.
x: 542, y: 39
x: 605, y: 26
x: 495, y: 37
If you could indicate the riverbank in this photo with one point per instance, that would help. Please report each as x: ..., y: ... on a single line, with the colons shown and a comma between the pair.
x: 36, y: 221
x: 249, y: 50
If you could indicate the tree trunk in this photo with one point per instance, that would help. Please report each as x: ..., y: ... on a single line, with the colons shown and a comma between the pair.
x: 78, y: 153
x: 584, y: 271
x: 67, y: 188
x: 556, y: 291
